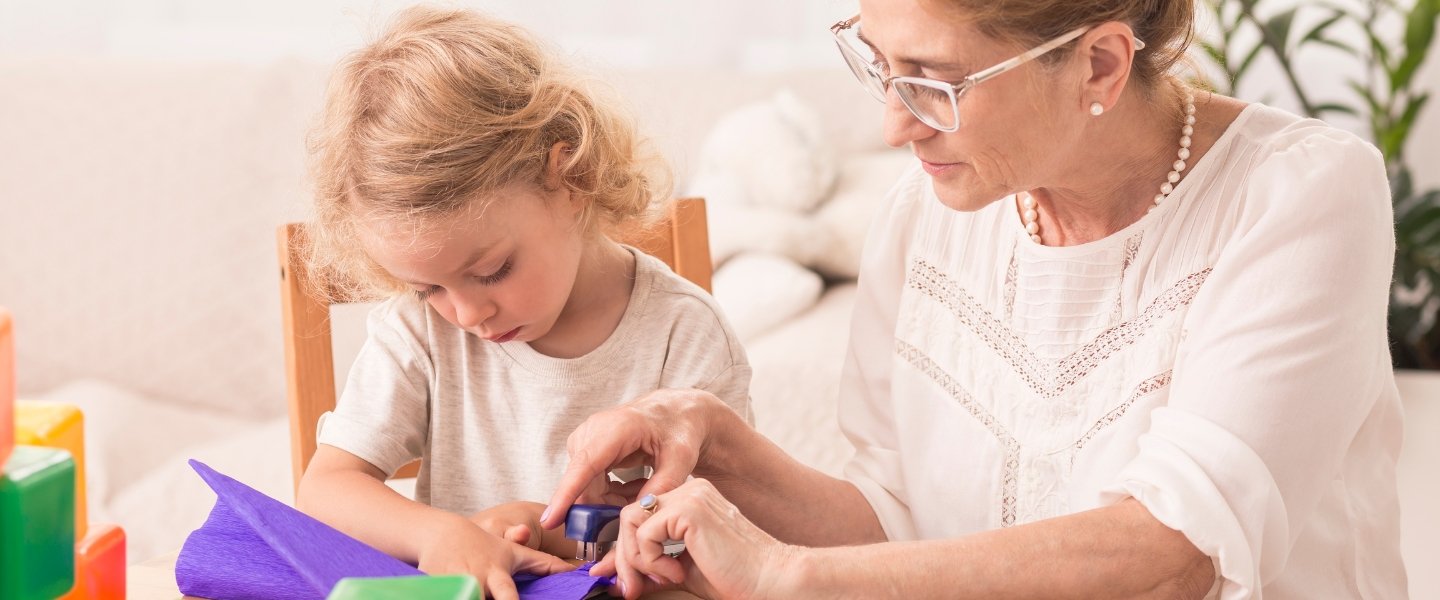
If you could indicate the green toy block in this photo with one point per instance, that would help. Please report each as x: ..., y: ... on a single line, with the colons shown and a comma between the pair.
x: 37, y: 524
x: 424, y: 587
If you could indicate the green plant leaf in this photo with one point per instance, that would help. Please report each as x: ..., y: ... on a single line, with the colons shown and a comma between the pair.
x: 1401, y: 184
x: 1338, y: 45
x: 1425, y: 202
x: 1405, y: 271
x: 1418, y: 222
x: 1381, y: 53
x: 1277, y: 28
x: 1247, y: 61
x: 1318, y: 31
x: 1371, y: 102
x: 1412, y: 110
x: 1216, y: 53
x: 1419, y: 32
x: 1337, y: 107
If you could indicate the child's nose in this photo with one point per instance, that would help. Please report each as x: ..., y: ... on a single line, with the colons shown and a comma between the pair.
x: 470, y: 313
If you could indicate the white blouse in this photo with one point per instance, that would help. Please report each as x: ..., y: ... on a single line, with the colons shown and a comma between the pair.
x: 1223, y: 360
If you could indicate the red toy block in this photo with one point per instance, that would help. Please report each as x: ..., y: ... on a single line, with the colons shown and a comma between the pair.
x: 7, y: 385
x: 100, y: 565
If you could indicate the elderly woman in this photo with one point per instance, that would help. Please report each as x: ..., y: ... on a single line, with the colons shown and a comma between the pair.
x: 1114, y: 337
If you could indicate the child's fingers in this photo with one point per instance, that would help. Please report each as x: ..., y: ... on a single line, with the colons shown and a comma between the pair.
x: 520, y: 534
x: 501, y: 587
x: 539, y: 563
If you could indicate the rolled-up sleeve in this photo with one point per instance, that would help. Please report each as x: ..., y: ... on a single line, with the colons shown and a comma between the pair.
x: 866, y: 411
x: 1284, y: 357
x: 383, y: 415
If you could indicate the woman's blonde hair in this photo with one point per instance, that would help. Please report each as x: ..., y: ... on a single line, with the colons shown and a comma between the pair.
x: 445, y: 108
x: 1166, y: 26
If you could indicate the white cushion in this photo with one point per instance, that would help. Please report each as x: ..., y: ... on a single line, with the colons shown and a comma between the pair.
x: 797, y: 380
x: 163, y: 507
x: 759, y: 291
x: 128, y: 436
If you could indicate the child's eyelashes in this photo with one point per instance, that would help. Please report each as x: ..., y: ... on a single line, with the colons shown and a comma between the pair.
x: 497, y: 276
x: 490, y: 279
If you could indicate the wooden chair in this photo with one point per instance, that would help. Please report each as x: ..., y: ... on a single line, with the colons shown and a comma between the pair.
x: 681, y: 239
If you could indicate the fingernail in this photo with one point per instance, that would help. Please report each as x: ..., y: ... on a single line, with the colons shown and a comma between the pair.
x: 623, y: 591
x: 544, y: 515
x: 657, y: 580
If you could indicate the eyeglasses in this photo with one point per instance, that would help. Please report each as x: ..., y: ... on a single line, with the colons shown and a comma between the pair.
x: 936, y: 103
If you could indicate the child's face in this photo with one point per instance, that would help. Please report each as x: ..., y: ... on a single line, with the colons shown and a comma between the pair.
x: 502, y: 273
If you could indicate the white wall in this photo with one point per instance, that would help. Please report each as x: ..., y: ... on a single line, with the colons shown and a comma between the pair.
x: 746, y: 35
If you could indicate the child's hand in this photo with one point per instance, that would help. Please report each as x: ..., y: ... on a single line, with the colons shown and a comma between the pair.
x: 465, y: 548
x: 518, y: 522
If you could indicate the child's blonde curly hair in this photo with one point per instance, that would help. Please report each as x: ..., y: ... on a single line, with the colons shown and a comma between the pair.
x: 445, y: 108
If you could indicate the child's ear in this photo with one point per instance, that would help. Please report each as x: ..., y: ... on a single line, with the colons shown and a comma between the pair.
x: 554, y: 175
x: 555, y: 165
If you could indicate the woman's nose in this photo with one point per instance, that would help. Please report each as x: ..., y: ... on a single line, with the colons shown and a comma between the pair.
x: 901, y: 125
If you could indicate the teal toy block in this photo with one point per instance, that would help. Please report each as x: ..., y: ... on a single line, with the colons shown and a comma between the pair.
x: 422, y: 587
x: 37, y: 524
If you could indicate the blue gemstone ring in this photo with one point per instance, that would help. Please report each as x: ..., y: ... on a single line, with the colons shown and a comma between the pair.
x: 649, y: 503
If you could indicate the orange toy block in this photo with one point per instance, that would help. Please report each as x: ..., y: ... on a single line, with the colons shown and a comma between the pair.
x: 100, y: 565
x: 7, y: 384
x: 55, y: 425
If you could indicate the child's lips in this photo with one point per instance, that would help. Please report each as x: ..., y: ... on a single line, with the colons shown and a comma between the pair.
x: 505, y: 337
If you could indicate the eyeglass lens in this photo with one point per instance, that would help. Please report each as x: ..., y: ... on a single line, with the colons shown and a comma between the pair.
x: 864, y: 69
x: 931, y: 105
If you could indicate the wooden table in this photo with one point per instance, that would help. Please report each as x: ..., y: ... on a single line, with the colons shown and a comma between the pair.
x: 154, y: 579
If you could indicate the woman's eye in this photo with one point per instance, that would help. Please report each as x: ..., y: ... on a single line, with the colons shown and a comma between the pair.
x: 497, y: 276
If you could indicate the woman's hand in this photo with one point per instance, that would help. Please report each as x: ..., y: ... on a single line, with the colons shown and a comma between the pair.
x: 666, y: 430
x: 463, y: 547
x: 726, y: 556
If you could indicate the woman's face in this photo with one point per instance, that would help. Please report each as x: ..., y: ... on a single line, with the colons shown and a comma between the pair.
x: 1010, y: 126
x: 503, y: 273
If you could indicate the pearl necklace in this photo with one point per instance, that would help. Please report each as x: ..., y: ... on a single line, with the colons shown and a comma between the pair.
x: 1030, y: 213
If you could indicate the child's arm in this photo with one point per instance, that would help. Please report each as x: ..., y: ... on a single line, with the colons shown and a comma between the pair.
x: 349, y: 493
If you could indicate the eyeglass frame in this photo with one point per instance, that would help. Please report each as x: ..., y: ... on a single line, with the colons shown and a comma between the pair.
x: 953, y: 90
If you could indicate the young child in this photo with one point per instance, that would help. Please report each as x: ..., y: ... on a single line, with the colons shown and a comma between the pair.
x: 464, y: 172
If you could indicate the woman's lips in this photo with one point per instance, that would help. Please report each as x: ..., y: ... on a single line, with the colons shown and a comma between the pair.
x: 934, y: 168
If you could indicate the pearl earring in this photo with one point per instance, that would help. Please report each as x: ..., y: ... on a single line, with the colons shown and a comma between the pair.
x: 1097, y: 109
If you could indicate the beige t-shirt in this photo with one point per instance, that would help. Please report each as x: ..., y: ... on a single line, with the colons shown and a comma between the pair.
x: 490, y: 421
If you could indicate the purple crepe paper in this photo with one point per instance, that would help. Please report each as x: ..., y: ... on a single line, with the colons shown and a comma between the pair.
x: 570, y: 585
x: 254, y: 547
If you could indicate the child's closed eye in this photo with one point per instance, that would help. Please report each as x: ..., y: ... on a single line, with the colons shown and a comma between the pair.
x: 498, y: 275
x: 426, y: 293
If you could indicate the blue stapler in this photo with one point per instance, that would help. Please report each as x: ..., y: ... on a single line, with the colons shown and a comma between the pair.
x: 594, y: 527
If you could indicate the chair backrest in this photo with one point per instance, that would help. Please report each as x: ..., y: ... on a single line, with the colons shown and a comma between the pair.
x: 681, y: 239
